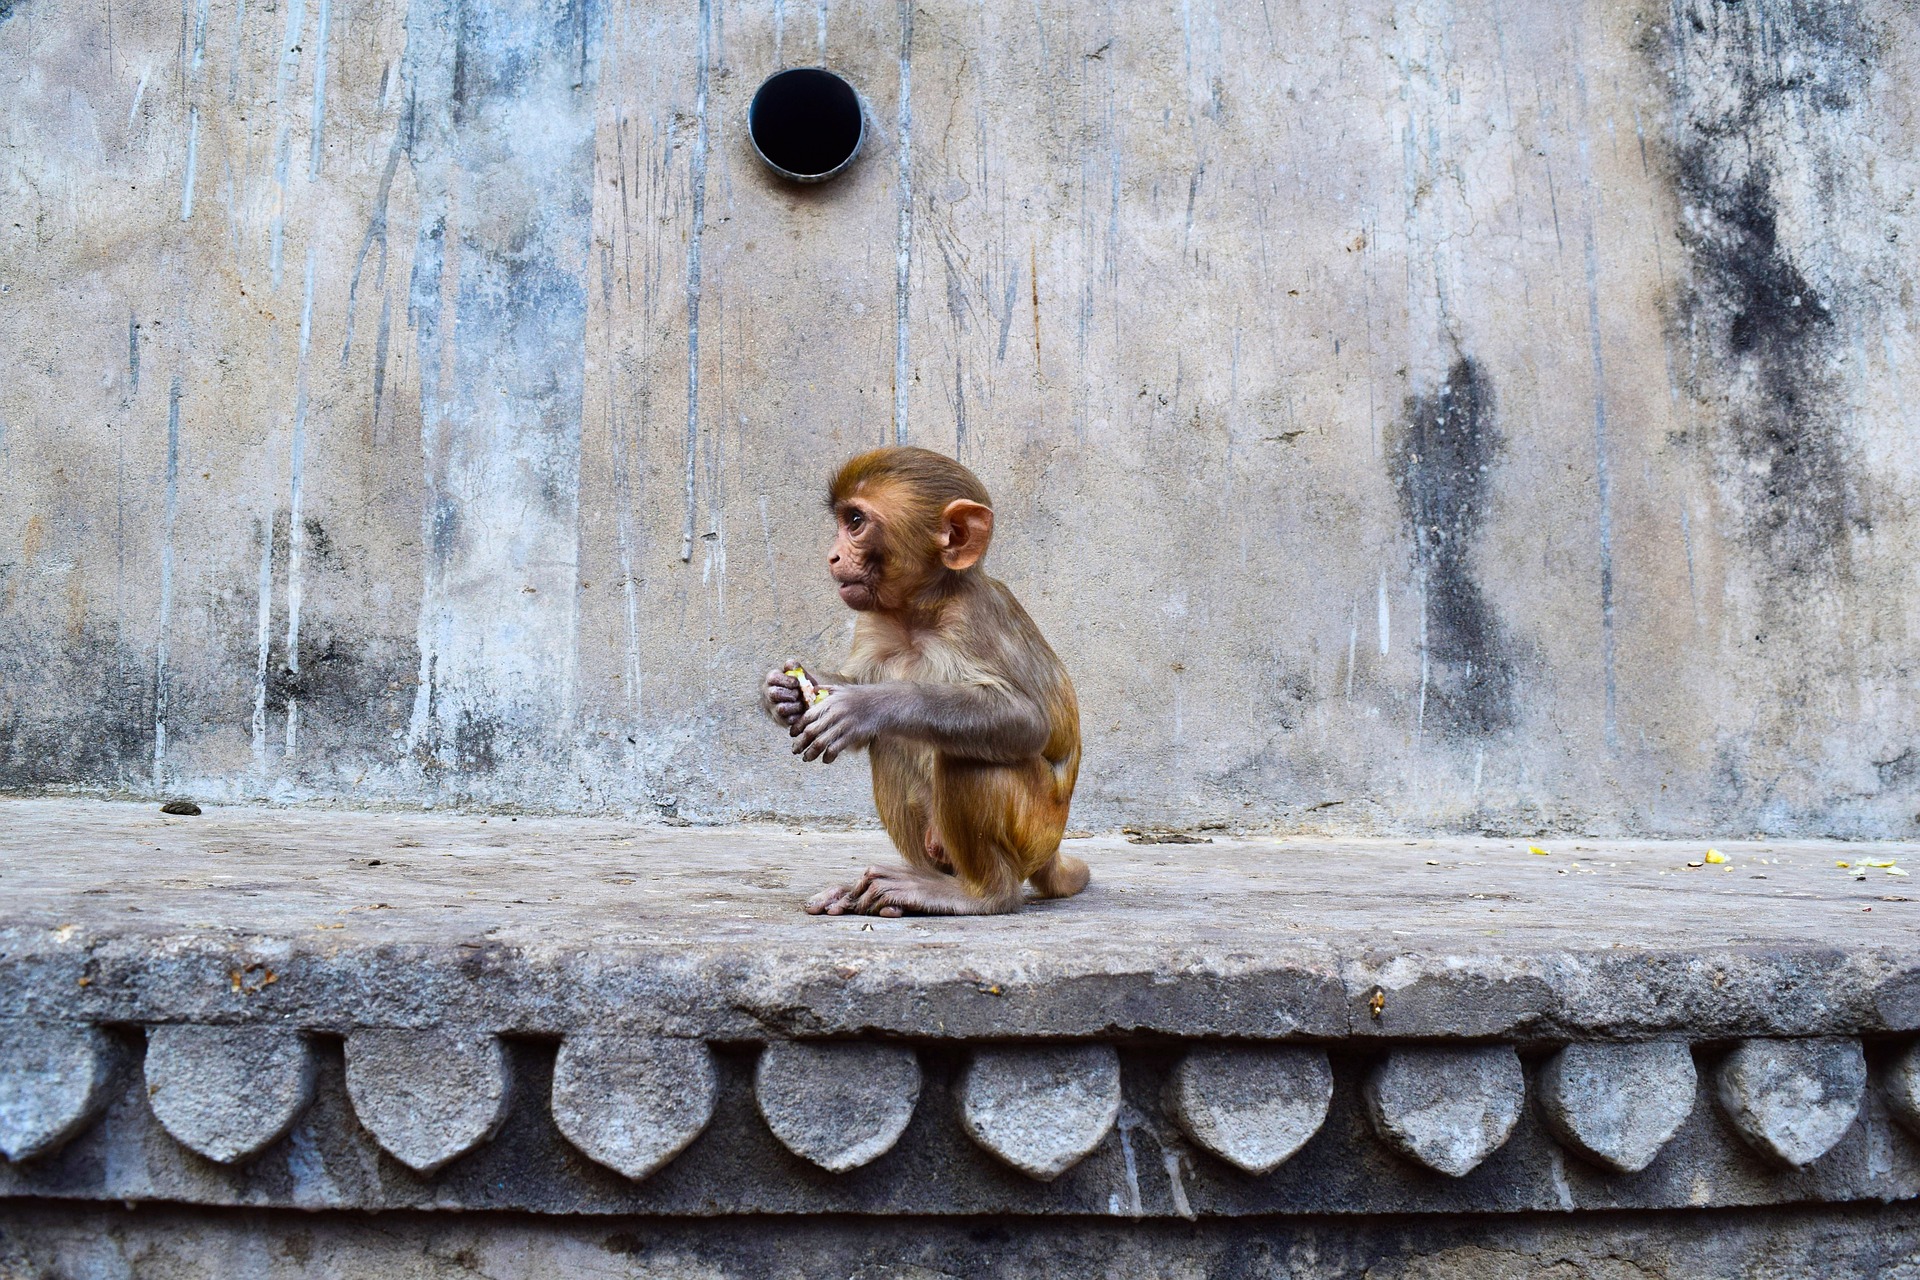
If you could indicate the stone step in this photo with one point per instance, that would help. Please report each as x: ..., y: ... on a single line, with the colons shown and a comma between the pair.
x: 323, y: 1009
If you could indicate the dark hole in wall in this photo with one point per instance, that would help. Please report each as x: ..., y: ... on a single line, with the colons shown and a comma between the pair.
x: 806, y: 123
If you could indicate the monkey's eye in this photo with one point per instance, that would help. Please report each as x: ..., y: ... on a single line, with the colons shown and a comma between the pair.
x: 855, y: 519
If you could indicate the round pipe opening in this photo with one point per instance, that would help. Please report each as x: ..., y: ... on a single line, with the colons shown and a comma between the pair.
x: 806, y: 124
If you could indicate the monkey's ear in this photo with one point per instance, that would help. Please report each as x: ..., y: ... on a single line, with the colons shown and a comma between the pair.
x: 965, y: 530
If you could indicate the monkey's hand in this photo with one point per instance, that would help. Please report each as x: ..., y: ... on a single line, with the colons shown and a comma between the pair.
x: 846, y: 721
x: 781, y: 698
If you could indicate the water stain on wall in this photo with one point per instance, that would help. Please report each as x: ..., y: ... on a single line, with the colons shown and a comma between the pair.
x: 499, y: 307
x: 1444, y: 451
x: 1761, y: 335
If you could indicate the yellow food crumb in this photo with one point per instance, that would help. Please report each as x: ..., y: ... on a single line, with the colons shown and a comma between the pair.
x: 808, y: 690
x: 1714, y: 855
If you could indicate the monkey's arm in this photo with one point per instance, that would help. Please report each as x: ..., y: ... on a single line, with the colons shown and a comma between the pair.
x: 971, y: 722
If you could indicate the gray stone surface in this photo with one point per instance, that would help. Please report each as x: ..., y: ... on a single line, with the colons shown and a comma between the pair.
x: 1618, y: 1104
x: 1903, y: 1088
x: 427, y: 1096
x: 1252, y: 1107
x: 1146, y: 1164
x: 632, y: 1102
x: 1873, y: 1242
x: 491, y: 472
x: 1793, y: 1099
x: 840, y: 1105
x: 460, y: 920
x: 1448, y: 1109
x: 228, y: 1093
x: 53, y: 1082
x: 282, y: 921
x: 1041, y: 1109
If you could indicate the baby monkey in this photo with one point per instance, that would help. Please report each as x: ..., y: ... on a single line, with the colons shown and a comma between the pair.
x: 967, y: 715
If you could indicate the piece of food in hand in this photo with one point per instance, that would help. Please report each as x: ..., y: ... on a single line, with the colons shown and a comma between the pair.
x: 810, y: 692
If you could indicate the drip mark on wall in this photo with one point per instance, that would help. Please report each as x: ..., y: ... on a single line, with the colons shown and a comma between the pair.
x: 380, y: 360
x: 319, y: 89
x: 959, y: 407
x: 1006, y: 309
x: 263, y: 640
x: 1353, y: 643
x: 172, y: 512
x: 1602, y: 467
x: 199, y: 36
x: 295, y: 493
x: 376, y: 227
x: 1693, y: 585
x: 283, y: 84
x: 698, y: 177
x: 903, y: 266
x: 1033, y: 275
x: 1382, y: 619
x: 193, y: 151
x: 623, y: 525
x: 133, y: 355
x: 139, y: 92
x: 239, y: 46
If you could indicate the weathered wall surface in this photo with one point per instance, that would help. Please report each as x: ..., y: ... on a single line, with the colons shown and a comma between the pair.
x: 1400, y: 415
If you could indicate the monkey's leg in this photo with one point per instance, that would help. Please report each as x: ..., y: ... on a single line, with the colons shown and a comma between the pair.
x: 1053, y: 874
x: 903, y: 792
x: 977, y: 812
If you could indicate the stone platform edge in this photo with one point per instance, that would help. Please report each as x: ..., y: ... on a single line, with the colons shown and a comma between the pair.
x: 623, y: 1121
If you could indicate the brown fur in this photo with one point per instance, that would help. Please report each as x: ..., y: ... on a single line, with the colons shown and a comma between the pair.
x: 998, y: 823
x: 978, y: 749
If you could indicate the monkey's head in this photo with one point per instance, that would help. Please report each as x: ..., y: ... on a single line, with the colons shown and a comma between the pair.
x: 908, y: 520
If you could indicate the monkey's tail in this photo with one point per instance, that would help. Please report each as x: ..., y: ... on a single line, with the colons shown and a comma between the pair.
x: 1062, y: 877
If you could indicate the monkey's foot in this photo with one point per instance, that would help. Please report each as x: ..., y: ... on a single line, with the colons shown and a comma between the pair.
x: 840, y: 900
x: 894, y: 891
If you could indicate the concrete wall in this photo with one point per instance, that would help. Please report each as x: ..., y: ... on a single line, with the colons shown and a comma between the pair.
x: 1399, y: 415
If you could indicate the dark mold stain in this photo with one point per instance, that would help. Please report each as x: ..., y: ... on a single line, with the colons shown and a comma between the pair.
x: 1899, y: 770
x: 317, y: 549
x: 327, y: 675
x: 474, y: 742
x: 75, y: 710
x: 1443, y: 456
x: 319, y: 544
x: 442, y: 529
x: 1760, y: 334
x: 350, y: 683
x: 1763, y: 320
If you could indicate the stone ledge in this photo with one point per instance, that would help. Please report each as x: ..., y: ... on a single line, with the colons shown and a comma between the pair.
x: 357, y: 1015
x: 1866, y: 1242
x: 332, y: 921
x: 682, y: 1127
